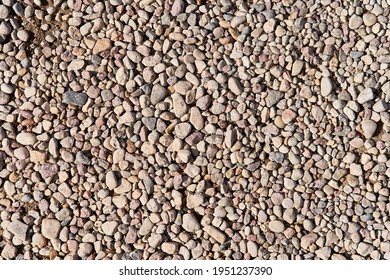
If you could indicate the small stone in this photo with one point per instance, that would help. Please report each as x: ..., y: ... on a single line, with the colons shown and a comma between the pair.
x: 170, y: 247
x: 324, y: 253
x: 215, y: 233
x: 76, y: 65
x: 326, y: 86
x: 380, y: 106
x: 253, y: 249
x: 288, y: 116
x: 365, y: 96
x: 235, y: 86
x: 369, y: 19
x: 4, y: 12
x: 190, y: 223
x: 369, y: 127
x: 355, y: 22
x: 276, y: 226
x: 18, y: 229
x: 26, y: 138
x: 50, y: 228
x: 355, y: 169
x: 110, y: 227
x: 111, y: 180
x: 297, y: 67
x: 364, y: 249
x: 192, y: 170
x: 9, y: 251
x: 308, y: 240
x: 37, y: 156
x: 182, y: 130
x: 85, y: 249
x: 155, y: 240
x: 177, y: 7
x: 158, y: 94
x: 102, y: 45
x: 196, y: 118
x: 180, y: 107
x: 75, y: 98
x: 48, y: 170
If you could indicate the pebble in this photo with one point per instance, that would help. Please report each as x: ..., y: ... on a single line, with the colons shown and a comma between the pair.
x: 26, y: 138
x: 75, y: 98
x: 326, y: 86
x: 234, y: 86
x: 18, y: 229
x: 276, y: 226
x: 365, y: 96
x: 50, y: 228
x: 190, y: 223
x: 369, y: 127
x: 183, y: 130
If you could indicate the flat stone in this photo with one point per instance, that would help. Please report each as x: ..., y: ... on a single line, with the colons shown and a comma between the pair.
x: 308, y: 240
x: 48, y: 170
x: 75, y: 98
x: 369, y: 19
x: 50, y: 228
x: 76, y: 64
x: 273, y: 97
x: 18, y: 229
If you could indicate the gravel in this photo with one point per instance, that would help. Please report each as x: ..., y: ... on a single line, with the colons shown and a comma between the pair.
x: 191, y: 129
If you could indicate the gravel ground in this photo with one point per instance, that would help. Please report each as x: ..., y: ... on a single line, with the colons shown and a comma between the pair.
x: 183, y: 129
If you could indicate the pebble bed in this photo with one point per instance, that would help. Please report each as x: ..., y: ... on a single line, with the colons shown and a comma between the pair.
x: 183, y: 129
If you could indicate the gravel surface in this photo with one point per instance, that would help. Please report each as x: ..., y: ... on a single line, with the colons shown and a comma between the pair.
x: 194, y: 129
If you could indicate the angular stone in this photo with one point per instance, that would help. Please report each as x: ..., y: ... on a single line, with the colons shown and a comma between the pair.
x: 158, y: 94
x: 177, y: 7
x: 365, y: 96
x: 50, y: 228
x: 101, y: 45
x: 18, y: 229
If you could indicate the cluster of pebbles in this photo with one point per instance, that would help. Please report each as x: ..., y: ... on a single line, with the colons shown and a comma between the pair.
x: 191, y: 129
